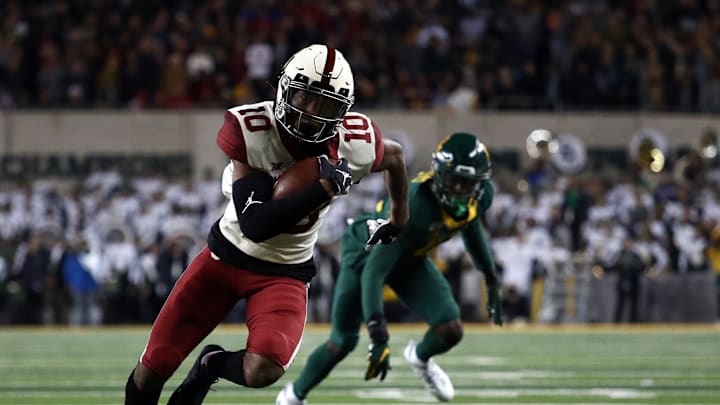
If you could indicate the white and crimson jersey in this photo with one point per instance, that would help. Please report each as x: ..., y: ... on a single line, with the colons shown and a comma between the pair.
x: 250, y: 135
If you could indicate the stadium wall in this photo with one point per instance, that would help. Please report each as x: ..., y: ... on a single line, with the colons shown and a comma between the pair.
x: 668, y: 298
x: 193, y: 132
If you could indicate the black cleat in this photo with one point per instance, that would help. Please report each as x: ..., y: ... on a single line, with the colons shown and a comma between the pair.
x: 196, y: 385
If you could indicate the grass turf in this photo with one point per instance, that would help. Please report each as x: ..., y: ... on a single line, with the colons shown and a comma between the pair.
x: 667, y: 364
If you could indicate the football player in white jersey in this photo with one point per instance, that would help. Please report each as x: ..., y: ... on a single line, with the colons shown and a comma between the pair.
x: 261, y: 248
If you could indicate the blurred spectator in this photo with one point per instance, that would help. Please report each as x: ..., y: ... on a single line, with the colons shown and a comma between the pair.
x: 630, y: 267
x: 517, y: 259
x: 259, y: 58
x: 80, y: 282
x: 33, y: 263
x: 122, y: 281
x: 713, y: 257
x: 689, y: 240
x: 650, y: 249
x: 691, y: 171
x: 575, y: 207
x: 176, y: 82
x: 172, y: 260
x: 520, y: 55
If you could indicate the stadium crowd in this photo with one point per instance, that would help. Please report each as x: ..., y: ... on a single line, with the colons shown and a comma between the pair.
x: 411, y: 54
x: 108, y: 249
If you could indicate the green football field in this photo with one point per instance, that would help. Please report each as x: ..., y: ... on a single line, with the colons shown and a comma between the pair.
x: 570, y: 365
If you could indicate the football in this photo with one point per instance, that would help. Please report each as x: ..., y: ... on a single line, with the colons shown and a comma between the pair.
x: 298, y: 176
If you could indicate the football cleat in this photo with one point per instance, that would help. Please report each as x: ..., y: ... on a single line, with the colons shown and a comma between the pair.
x: 196, y: 385
x: 431, y: 375
x: 287, y: 396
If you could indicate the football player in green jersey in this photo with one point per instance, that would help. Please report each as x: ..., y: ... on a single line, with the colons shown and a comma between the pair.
x: 451, y: 198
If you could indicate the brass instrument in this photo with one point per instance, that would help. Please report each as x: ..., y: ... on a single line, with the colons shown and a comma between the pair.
x: 648, y: 149
x: 566, y: 152
x: 709, y: 144
x: 538, y: 144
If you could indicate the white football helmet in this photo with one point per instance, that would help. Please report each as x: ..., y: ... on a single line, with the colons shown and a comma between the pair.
x: 315, y: 90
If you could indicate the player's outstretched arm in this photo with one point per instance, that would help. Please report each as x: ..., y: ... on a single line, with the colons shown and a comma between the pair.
x: 478, y: 246
x: 380, y: 262
x: 261, y: 217
x: 396, y: 182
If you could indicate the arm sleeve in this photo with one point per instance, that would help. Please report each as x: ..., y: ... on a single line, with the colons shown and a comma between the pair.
x: 478, y: 246
x: 380, y: 263
x: 260, y: 217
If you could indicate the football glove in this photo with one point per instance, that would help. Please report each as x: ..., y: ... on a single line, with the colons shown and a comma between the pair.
x: 378, y: 361
x: 381, y: 231
x: 494, y: 303
x: 378, y: 358
x: 338, y: 175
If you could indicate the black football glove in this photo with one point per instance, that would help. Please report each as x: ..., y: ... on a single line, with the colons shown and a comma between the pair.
x: 378, y: 361
x: 339, y: 175
x: 494, y: 303
x: 378, y: 357
x: 381, y: 231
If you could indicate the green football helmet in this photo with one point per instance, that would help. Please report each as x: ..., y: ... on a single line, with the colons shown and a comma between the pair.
x: 461, y: 165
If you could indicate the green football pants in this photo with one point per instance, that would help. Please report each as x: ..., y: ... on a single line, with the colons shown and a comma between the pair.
x: 417, y: 281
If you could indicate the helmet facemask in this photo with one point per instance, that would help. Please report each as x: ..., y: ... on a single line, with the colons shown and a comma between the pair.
x: 309, y: 113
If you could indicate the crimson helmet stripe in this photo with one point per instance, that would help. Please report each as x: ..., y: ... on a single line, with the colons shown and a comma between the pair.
x: 329, y: 66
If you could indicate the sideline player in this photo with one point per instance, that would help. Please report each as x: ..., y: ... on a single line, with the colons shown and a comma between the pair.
x: 261, y: 249
x: 450, y: 199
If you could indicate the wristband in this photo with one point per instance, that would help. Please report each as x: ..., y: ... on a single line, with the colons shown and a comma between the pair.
x: 377, y: 328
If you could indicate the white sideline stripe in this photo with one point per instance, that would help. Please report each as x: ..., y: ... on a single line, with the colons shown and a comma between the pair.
x: 615, y: 393
x: 477, y: 360
x: 464, y: 377
x: 470, y: 375
x: 405, y: 394
x: 354, y: 377
x: 515, y: 375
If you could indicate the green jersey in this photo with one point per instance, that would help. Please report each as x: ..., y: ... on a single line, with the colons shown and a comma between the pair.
x: 429, y: 225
